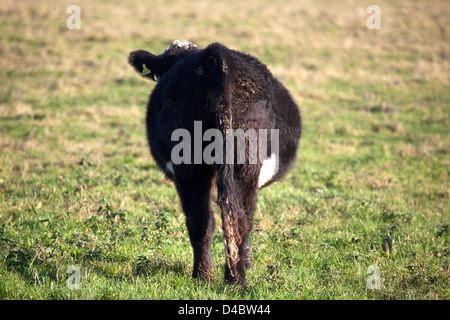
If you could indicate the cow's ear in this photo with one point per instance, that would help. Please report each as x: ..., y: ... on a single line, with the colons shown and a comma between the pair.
x: 143, y: 61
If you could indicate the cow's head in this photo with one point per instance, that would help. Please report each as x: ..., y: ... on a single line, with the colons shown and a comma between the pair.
x: 153, y: 66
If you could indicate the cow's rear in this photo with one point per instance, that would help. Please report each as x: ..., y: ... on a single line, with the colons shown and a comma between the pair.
x: 217, y: 113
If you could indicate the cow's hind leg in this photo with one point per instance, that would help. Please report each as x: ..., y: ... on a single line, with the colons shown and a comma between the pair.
x: 193, y: 185
x: 237, y: 199
x: 250, y: 199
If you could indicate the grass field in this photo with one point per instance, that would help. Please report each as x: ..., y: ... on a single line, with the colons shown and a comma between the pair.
x: 78, y: 186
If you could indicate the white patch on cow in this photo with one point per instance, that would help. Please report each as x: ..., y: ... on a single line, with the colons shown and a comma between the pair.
x: 268, y: 169
x: 184, y: 44
x: 181, y: 44
x: 169, y: 167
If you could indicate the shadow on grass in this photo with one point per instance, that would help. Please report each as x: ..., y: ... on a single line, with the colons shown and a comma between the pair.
x: 159, y: 264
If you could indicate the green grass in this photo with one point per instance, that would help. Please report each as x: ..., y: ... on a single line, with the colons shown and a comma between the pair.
x: 78, y: 186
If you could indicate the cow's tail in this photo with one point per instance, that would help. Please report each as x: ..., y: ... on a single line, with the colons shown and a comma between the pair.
x: 227, y: 199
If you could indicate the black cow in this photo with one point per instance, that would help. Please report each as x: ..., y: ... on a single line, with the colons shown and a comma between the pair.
x: 224, y: 90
